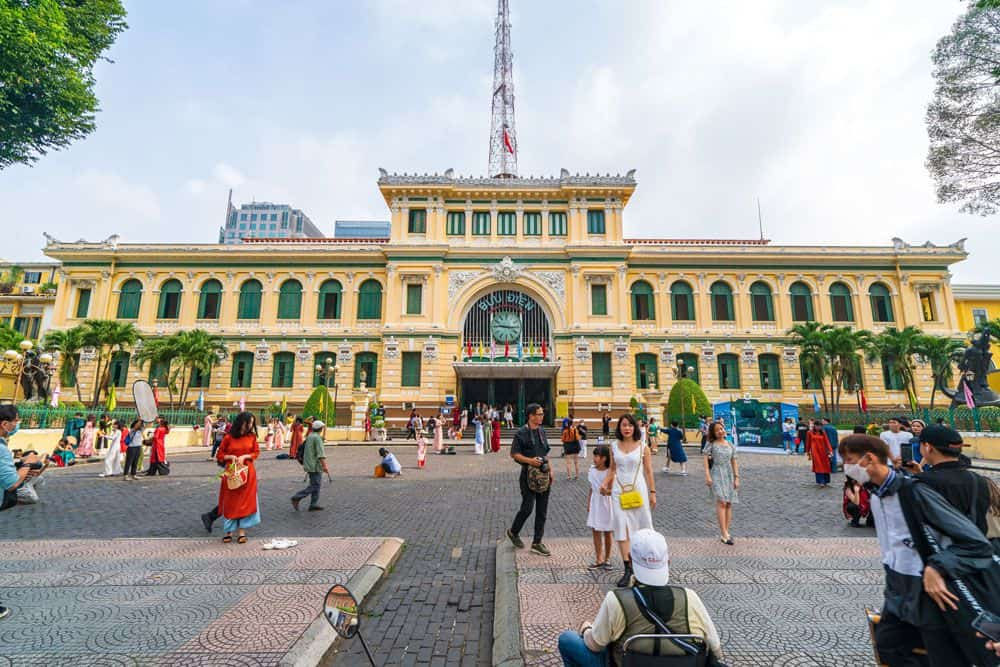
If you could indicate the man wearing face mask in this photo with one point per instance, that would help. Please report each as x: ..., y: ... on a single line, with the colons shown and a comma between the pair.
x: 916, y: 593
x: 11, y: 476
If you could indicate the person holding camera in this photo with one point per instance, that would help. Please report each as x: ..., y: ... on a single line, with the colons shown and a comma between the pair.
x: 12, y: 476
x: 530, y: 449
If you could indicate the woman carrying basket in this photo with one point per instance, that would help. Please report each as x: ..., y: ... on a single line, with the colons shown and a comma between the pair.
x: 238, y: 501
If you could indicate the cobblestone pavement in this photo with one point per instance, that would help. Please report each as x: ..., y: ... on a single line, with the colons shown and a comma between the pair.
x: 775, y: 601
x: 436, y: 607
x: 165, y: 601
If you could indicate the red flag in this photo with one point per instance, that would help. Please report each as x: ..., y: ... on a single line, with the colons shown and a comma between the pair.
x: 156, y: 395
x: 545, y: 349
x: 506, y: 348
x: 506, y: 141
x: 864, y: 401
x: 468, y: 347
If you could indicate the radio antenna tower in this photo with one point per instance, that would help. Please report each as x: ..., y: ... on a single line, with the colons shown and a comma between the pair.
x: 503, y: 135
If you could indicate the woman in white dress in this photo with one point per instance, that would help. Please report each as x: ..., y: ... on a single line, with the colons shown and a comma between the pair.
x: 114, y: 458
x: 631, y: 469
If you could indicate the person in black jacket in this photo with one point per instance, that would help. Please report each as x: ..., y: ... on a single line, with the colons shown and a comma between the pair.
x: 531, y: 449
x: 949, y: 474
x: 917, y: 597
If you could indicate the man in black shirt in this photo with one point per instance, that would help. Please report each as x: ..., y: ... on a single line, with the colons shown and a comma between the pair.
x: 949, y: 473
x: 531, y: 449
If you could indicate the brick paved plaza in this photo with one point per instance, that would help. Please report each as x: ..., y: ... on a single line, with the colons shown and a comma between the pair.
x: 436, y: 606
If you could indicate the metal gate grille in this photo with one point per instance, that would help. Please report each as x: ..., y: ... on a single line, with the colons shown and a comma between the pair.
x: 477, y: 333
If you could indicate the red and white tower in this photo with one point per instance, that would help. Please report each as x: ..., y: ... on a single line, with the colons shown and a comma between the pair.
x: 503, y: 135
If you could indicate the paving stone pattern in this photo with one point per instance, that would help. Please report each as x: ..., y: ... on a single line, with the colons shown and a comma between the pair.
x: 775, y: 601
x: 437, y: 605
x: 165, y: 601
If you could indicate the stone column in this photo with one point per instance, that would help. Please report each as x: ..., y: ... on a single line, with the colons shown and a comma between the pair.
x: 359, y: 408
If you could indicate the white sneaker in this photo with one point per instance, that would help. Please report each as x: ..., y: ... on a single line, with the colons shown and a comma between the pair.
x: 666, y: 469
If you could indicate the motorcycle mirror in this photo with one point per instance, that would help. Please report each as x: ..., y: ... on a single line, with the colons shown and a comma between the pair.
x: 145, y: 400
x: 341, y: 610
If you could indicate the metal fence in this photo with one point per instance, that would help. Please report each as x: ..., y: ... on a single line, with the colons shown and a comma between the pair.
x: 961, y: 418
x: 34, y: 415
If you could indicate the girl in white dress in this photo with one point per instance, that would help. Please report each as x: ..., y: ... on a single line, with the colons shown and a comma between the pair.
x: 114, y: 458
x: 599, y: 517
x: 631, y: 468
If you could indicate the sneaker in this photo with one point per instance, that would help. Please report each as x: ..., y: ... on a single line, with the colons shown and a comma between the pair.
x: 596, y: 566
x: 295, y: 504
x: 315, y: 508
x: 206, y: 520
x: 4, y: 611
x: 540, y: 549
x: 606, y: 565
x: 665, y: 469
x: 514, y: 539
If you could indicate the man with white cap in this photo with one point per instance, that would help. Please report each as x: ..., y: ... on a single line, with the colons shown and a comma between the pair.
x: 622, y: 614
x: 314, y: 463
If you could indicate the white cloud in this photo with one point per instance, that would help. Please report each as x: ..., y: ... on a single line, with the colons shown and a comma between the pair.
x: 111, y: 191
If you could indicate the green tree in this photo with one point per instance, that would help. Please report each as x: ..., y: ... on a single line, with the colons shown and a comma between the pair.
x: 320, y: 405
x: 812, y: 339
x: 841, y: 346
x: 941, y: 353
x: 896, y: 347
x: 197, y: 350
x: 162, y: 351
x: 48, y: 49
x: 963, y: 118
x: 68, y: 343
x: 681, y: 394
x: 10, y: 338
x: 108, y: 337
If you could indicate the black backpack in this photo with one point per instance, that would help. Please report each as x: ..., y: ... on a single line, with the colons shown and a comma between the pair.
x: 300, y: 453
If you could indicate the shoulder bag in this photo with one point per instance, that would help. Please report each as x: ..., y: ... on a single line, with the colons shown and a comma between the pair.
x: 630, y: 498
x: 538, y: 481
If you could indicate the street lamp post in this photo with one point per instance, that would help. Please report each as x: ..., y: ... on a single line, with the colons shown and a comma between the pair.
x: 13, y: 364
x: 327, y: 370
x: 682, y: 373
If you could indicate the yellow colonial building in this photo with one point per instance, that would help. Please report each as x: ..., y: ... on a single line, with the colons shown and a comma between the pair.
x: 506, y: 290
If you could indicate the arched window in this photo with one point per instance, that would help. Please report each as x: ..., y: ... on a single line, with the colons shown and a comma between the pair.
x: 370, y: 301
x: 170, y: 300
x: 330, y: 294
x: 761, y: 303
x: 770, y: 371
x: 282, y: 375
x: 840, y: 303
x: 290, y: 300
x: 249, y: 306
x: 729, y: 371
x: 366, y: 362
x: 722, y: 302
x: 160, y: 371
x: 242, y: 375
x: 642, y: 301
x: 645, y: 371
x: 802, y: 302
x: 681, y: 301
x: 689, y: 365
x: 118, y: 374
x: 210, y: 300
x: 881, y: 300
x: 129, y: 300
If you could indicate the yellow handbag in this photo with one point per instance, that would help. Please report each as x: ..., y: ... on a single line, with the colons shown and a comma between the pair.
x: 630, y: 498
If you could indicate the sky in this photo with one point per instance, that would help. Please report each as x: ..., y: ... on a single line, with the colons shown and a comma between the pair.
x: 817, y: 108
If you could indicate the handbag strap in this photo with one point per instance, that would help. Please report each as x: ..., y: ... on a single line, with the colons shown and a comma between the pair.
x: 635, y: 478
x: 651, y: 616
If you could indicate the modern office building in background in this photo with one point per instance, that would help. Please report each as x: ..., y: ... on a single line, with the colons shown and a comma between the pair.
x: 361, y: 229
x: 263, y: 219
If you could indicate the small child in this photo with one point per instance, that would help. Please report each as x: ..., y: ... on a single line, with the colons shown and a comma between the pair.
x: 599, y: 509
x: 421, y: 448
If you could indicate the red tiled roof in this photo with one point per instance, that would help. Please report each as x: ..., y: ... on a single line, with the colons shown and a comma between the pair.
x: 316, y: 240
x: 697, y: 241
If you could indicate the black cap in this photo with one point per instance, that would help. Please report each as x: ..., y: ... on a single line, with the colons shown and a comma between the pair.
x: 942, y: 437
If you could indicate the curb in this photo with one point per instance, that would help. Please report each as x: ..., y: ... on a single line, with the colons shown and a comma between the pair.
x: 506, y: 610
x: 319, y: 639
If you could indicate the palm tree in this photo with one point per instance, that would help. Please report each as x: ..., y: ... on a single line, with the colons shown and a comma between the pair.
x: 941, y: 353
x: 197, y: 350
x: 160, y: 352
x: 10, y: 338
x: 895, y: 348
x: 812, y: 341
x: 841, y: 346
x: 68, y: 344
x: 109, y: 337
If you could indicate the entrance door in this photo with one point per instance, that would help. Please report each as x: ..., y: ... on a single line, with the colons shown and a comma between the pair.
x: 539, y: 390
x: 517, y: 392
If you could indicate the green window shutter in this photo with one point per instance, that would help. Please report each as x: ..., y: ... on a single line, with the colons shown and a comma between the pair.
x: 411, y: 369
x: 890, y: 377
x: 249, y: 305
x: 642, y: 301
x: 83, y: 303
x: 600, y: 369
x: 689, y: 361
x: 129, y: 300
x: 242, y: 373
x: 283, y: 372
x: 801, y: 298
x: 170, y: 301
x: 729, y: 371
x: 809, y: 379
x: 881, y: 301
x: 770, y: 371
x: 456, y: 223
x: 533, y: 224
x: 681, y: 301
x: 370, y: 301
x: 290, y: 300
x: 330, y: 293
x: 595, y: 222
x: 507, y: 223
x: 210, y: 300
x: 367, y: 362
x: 557, y: 223
x: 598, y: 299
x: 840, y: 303
x: 418, y: 221
x: 722, y: 302
x: 199, y: 378
x: 118, y: 375
x: 761, y: 303
x: 319, y: 359
x: 481, y: 223
x: 645, y: 370
x: 71, y: 383
x: 414, y: 299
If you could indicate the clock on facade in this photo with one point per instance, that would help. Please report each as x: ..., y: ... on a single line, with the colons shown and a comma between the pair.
x: 506, y: 326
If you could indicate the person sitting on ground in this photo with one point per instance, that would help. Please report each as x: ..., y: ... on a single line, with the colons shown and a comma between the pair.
x: 63, y: 454
x: 856, y: 503
x: 620, y: 616
x: 390, y: 464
